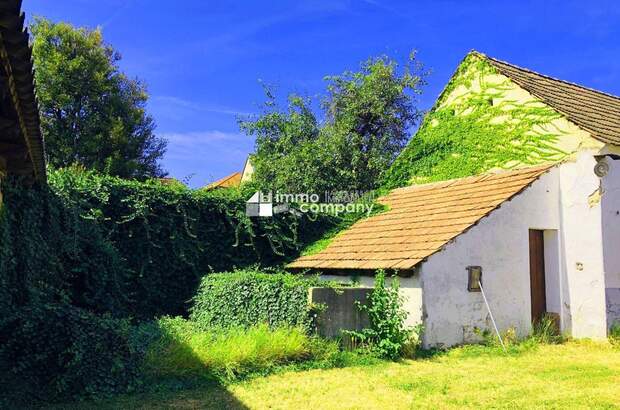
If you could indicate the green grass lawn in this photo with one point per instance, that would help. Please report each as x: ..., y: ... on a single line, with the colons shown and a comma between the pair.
x: 571, y: 375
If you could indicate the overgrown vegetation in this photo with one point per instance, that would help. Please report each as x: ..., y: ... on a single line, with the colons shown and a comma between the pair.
x: 388, y: 336
x: 55, y: 350
x: 80, y: 255
x: 614, y: 334
x: 188, y: 351
x: 475, y: 127
x: 251, y: 297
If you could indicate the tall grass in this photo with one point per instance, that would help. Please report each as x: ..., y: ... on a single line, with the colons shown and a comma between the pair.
x: 184, y: 350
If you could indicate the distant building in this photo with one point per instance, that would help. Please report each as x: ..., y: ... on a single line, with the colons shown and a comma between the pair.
x: 230, y: 181
x: 248, y: 170
x: 170, y: 181
x: 235, y: 179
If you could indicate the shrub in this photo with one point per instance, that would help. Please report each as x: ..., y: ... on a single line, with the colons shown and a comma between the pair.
x: 56, y: 351
x: 387, y: 336
x: 168, y: 236
x: 185, y: 350
x: 246, y: 298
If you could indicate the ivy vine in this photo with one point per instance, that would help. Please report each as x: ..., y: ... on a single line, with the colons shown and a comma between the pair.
x: 477, y: 130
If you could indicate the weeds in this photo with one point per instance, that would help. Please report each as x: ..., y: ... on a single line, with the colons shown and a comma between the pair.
x: 388, y: 336
x: 546, y: 331
x: 184, y: 350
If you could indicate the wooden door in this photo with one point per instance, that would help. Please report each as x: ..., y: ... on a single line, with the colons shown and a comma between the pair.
x: 537, y: 275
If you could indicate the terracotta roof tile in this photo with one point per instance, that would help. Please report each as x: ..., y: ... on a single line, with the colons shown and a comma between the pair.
x: 422, y: 219
x: 232, y: 180
x: 593, y: 111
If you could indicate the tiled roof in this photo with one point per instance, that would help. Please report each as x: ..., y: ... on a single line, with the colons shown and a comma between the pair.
x: 231, y: 180
x: 21, y: 141
x: 422, y: 219
x: 592, y: 110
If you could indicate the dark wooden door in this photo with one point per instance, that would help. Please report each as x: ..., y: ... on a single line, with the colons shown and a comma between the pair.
x: 537, y: 275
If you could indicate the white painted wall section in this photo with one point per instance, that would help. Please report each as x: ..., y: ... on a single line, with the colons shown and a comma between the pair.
x: 582, y: 247
x: 610, y: 209
x: 500, y: 245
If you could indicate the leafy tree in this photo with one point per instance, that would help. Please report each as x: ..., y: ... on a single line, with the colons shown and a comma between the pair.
x: 92, y: 114
x: 367, y: 119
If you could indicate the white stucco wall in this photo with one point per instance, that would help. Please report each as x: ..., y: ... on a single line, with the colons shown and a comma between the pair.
x: 563, y: 204
x: 500, y: 245
x: 410, y: 290
x: 610, y: 208
x: 582, y: 247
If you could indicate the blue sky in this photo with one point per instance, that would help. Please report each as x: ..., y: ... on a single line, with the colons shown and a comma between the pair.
x: 202, y: 60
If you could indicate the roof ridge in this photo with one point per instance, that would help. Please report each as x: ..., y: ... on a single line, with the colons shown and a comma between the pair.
x: 223, y: 179
x: 541, y: 167
x: 529, y: 70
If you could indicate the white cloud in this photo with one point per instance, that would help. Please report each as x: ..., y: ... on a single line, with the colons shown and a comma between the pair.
x: 179, y: 108
x: 197, y: 145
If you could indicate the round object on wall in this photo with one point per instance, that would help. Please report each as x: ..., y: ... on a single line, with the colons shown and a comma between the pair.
x: 601, y: 169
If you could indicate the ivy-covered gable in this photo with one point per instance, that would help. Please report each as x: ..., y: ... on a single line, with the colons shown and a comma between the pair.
x: 483, y: 121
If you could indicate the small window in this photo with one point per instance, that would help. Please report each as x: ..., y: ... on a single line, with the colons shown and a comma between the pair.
x: 474, y: 274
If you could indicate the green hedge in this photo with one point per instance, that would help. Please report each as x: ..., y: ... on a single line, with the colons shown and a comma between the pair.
x: 250, y: 297
x: 168, y: 236
x: 85, y: 251
x: 56, y: 351
x: 132, y: 248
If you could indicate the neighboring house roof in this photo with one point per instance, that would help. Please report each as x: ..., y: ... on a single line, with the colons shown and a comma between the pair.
x: 21, y: 143
x: 232, y: 180
x: 594, y: 111
x: 422, y: 219
x: 248, y: 170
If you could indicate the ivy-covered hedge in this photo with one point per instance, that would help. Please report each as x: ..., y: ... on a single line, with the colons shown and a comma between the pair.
x: 250, y: 297
x: 59, y: 351
x: 82, y: 253
x: 132, y: 248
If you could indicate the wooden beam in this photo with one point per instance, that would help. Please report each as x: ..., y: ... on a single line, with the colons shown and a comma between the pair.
x: 12, y: 22
x: 19, y: 153
x: 7, y: 123
x: 15, y: 37
x: 7, y: 146
x: 11, y: 5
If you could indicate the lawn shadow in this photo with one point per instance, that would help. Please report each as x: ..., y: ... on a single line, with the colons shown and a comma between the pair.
x: 213, y: 396
x: 173, y: 376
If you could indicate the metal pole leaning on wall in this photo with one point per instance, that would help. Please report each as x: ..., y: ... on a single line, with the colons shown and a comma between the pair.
x: 492, y: 319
